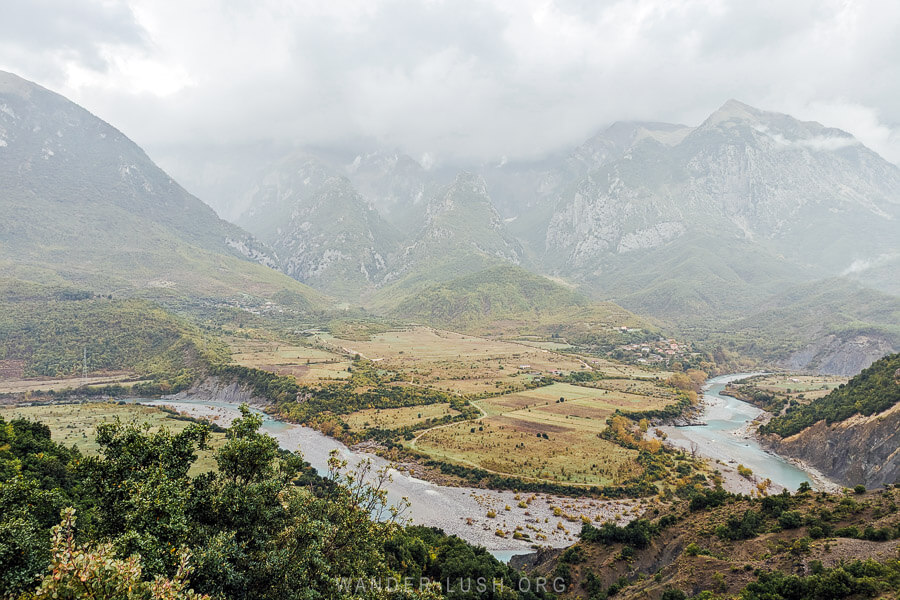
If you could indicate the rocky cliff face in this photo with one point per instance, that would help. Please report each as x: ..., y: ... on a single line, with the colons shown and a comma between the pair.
x: 860, y: 450
x: 396, y: 186
x: 462, y: 233
x: 743, y: 173
x: 214, y: 389
x: 840, y: 355
x: 323, y: 230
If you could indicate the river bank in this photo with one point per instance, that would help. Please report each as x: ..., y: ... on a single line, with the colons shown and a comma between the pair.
x: 728, y: 438
x: 521, y: 521
x: 545, y: 519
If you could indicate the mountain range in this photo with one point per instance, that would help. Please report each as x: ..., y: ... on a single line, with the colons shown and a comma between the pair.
x: 753, y: 230
x: 722, y: 230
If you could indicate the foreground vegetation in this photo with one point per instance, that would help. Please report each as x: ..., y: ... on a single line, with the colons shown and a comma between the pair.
x: 805, y: 546
x: 133, y: 522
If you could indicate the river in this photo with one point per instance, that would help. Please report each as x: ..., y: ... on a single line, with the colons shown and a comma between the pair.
x: 462, y: 511
x: 725, y: 437
x: 457, y: 510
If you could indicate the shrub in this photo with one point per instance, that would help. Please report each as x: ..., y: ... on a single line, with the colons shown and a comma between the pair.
x: 741, y: 527
x: 573, y: 555
x: 637, y: 533
x: 673, y: 594
x: 790, y: 519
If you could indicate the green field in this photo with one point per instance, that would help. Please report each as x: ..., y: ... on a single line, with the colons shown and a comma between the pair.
x: 76, y: 424
x: 510, y: 440
x: 395, y: 418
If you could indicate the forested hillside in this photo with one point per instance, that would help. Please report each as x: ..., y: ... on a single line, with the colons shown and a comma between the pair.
x: 49, y: 331
x: 874, y: 390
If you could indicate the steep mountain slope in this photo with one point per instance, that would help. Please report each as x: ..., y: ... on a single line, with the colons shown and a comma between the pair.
x: 800, y: 189
x: 746, y: 231
x: 462, y: 234
x: 323, y: 231
x: 397, y: 186
x: 731, y: 227
x: 853, y: 434
x: 82, y: 203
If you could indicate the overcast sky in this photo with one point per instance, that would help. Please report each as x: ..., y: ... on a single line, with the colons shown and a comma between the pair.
x: 458, y: 78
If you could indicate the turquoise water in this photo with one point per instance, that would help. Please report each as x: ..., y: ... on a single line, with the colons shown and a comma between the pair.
x: 448, y: 508
x: 505, y: 555
x: 724, y: 416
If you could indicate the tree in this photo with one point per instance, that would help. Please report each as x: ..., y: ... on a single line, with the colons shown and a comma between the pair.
x: 93, y: 572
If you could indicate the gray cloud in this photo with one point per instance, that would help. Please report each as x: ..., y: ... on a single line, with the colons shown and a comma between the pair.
x: 461, y: 79
x: 46, y: 34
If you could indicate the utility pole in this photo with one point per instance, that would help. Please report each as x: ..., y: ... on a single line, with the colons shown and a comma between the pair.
x: 84, y: 368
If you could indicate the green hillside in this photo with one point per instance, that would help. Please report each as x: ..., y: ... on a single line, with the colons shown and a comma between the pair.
x: 874, y: 390
x: 508, y: 301
x: 695, y: 278
x: 47, y: 331
x: 501, y: 292
x: 804, y: 312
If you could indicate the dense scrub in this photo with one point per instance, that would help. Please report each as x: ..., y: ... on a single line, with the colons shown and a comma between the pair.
x: 49, y: 332
x: 716, y: 544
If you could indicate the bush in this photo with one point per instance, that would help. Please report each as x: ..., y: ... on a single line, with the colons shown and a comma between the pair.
x: 693, y: 549
x: 573, y: 556
x: 790, y: 519
x: 638, y: 533
x: 847, y: 532
x: 744, y: 527
x: 709, y: 499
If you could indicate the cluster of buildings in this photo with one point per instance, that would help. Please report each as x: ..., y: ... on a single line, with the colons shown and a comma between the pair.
x: 661, y: 350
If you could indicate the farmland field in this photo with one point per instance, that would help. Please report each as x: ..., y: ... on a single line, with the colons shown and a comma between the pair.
x: 777, y: 391
x: 511, y: 445
x: 455, y: 362
x: 533, y: 434
x: 18, y: 385
x: 75, y: 424
x: 393, y: 418
x: 306, y: 364
x: 809, y: 386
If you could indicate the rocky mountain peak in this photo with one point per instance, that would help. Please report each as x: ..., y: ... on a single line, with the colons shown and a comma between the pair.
x: 733, y: 110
